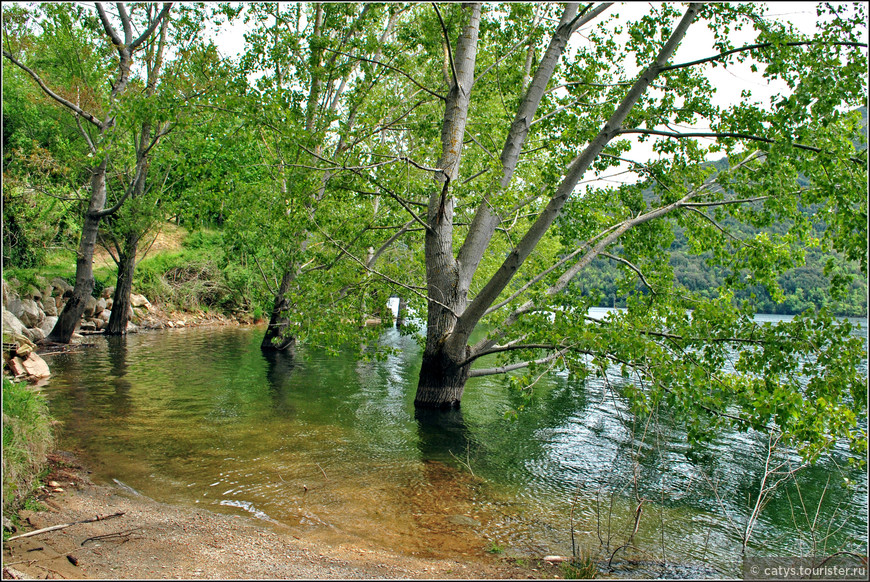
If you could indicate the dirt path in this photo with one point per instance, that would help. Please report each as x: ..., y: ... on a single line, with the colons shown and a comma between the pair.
x: 155, y: 540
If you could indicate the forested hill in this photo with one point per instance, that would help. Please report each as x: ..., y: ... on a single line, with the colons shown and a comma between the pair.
x: 805, y: 287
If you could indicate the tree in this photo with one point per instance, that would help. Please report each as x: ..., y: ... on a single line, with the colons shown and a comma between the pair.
x: 308, y: 82
x: 100, y: 145
x: 569, y: 125
x: 192, y: 76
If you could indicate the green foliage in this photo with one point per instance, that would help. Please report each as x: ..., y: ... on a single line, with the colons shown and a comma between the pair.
x: 27, y: 438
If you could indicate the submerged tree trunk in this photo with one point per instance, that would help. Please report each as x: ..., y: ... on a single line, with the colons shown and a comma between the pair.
x: 442, y: 380
x: 278, y: 335
x: 121, y: 303
x: 451, y: 316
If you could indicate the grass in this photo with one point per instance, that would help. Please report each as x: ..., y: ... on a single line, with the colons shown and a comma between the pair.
x: 27, y: 439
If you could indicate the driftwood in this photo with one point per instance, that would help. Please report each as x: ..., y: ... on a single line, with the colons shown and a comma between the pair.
x: 64, y: 525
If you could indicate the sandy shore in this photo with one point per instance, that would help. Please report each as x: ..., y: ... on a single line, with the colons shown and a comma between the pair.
x: 154, y: 540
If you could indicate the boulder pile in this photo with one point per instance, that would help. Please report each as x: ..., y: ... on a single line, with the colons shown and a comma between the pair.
x: 31, y: 311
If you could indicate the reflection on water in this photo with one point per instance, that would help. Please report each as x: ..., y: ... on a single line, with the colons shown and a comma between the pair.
x: 332, y: 446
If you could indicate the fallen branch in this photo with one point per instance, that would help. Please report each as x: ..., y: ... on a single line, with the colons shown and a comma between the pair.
x: 118, y: 534
x: 65, y: 525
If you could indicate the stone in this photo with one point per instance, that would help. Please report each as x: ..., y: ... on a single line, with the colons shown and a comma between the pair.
x: 101, y: 305
x: 108, y: 292
x: 49, y: 307
x: 32, y: 293
x: 34, y: 334
x: 109, y: 303
x: 132, y: 328
x: 87, y: 325
x: 59, y: 302
x: 12, y: 323
x: 104, y: 315
x: 48, y: 324
x: 26, y: 311
x: 17, y: 366
x: 90, y: 306
x: 137, y: 300
x: 36, y: 366
x: 62, y: 286
x: 99, y: 324
x: 23, y: 345
x: 8, y: 294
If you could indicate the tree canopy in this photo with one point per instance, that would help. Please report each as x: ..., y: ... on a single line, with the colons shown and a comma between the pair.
x: 460, y: 156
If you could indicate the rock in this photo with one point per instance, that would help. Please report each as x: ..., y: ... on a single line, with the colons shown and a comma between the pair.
x: 137, y: 300
x: 90, y: 306
x: 17, y: 366
x: 109, y: 303
x: 108, y: 293
x: 49, y: 306
x: 48, y: 324
x: 87, y: 325
x: 62, y: 287
x: 12, y: 323
x: 463, y: 520
x: 22, y: 345
x: 32, y: 293
x: 99, y: 324
x: 26, y: 311
x: 101, y: 305
x: 556, y: 559
x: 104, y: 315
x: 34, y: 334
x: 8, y: 295
x: 132, y: 328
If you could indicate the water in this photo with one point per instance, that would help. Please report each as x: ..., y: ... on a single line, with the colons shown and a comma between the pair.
x: 333, y: 448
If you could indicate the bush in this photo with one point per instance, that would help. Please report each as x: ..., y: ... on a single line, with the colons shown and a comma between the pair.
x: 27, y: 439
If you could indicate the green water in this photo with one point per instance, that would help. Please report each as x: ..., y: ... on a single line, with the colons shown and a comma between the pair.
x: 333, y: 448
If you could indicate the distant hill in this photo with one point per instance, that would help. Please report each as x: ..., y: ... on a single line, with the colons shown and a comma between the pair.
x: 805, y: 287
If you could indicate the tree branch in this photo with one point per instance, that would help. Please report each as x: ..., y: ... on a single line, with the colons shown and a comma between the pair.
x: 72, y: 106
x: 447, y: 41
x: 733, y: 135
x: 511, y: 367
x: 758, y: 46
x: 400, y: 71
x: 631, y: 266
x: 135, y: 44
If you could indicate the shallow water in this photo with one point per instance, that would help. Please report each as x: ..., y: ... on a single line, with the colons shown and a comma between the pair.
x: 332, y: 446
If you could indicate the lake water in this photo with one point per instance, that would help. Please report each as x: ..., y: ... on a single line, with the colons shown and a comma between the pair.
x: 333, y: 448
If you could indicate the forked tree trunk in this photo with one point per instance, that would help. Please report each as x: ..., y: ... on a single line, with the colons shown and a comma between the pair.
x: 442, y: 379
x: 279, y: 335
x: 121, y: 303
x: 451, y: 316
x: 72, y: 312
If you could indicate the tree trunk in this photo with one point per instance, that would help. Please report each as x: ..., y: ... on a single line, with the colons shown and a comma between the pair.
x: 400, y: 313
x: 123, y: 287
x: 278, y: 336
x: 442, y: 380
x: 72, y: 312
